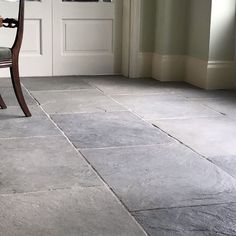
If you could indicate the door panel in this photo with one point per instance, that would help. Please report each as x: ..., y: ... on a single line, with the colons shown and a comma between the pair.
x: 36, y: 53
x: 86, y: 37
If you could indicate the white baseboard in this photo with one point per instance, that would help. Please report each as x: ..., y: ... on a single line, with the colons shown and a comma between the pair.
x: 168, y: 67
x: 145, y: 64
x: 196, y: 72
x: 210, y: 74
x: 220, y: 75
x: 201, y: 73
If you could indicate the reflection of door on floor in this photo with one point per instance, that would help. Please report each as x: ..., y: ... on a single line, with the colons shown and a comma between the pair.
x: 65, y: 37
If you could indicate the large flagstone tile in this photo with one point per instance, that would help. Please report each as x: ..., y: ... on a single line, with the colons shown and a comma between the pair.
x: 161, y: 106
x: 108, y: 130
x: 55, y: 83
x: 9, y: 97
x: 214, y: 220
x: 226, y: 163
x: 14, y: 112
x: 166, y: 175
x: 197, y: 93
x: 209, y: 136
x: 122, y: 85
x: 13, y: 124
x: 5, y: 82
x: 35, y: 164
x: 75, y: 212
x: 225, y: 105
x: 83, y: 101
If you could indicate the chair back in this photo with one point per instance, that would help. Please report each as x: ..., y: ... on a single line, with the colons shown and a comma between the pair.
x: 20, y: 29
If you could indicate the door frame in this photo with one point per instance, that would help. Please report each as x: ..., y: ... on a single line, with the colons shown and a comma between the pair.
x: 131, y: 37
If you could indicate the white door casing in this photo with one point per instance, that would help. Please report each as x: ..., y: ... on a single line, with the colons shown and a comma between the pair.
x: 87, y: 37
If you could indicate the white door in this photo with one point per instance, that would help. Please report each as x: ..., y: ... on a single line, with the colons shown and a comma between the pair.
x: 36, y: 51
x: 87, y: 37
x: 67, y: 37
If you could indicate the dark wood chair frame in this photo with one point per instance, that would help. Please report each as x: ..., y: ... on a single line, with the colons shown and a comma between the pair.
x: 13, y: 64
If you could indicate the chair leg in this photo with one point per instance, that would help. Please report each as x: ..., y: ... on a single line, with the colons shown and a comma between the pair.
x: 17, y: 88
x: 2, y: 103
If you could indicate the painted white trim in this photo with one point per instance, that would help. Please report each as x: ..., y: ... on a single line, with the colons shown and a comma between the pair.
x: 145, y: 64
x: 196, y: 72
x: 220, y: 75
x: 126, y: 38
x: 201, y: 73
x: 168, y: 67
x: 135, y: 26
x: 210, y: 74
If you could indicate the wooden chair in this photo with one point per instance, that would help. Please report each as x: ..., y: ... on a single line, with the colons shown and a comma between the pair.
x: 9, y: 57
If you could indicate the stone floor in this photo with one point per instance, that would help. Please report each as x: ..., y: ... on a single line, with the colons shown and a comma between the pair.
x: 110, y: 156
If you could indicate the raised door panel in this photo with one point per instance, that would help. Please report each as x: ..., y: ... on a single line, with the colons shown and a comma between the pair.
x: 87, y: 38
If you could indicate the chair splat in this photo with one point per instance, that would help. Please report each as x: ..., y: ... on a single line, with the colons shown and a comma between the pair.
x: 10, y: 23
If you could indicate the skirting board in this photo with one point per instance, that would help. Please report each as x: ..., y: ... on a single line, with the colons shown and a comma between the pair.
x: 210, y: 74
x: 221, y: 75
x: 201, y: 73
x: 168, y: 68
x: 145, y: 64
x: 162, y: 67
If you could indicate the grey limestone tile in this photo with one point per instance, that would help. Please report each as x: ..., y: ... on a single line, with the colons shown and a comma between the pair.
x: 71, y: 212
x: 123, y: 85
x: 82, y: 101
x: 166, y: 175
x: 212, y: 136
x: 42, y: 163
x: 5, y: 82
x: 164, y: 106
x: 225, y: 105
x: 9, y: 97
x: 55, y: 83
x: 197, y: 93
x: 226, y: 163
x: 14, y: 112
x: 213, y: 220
x: 108, y: 130
x: 13, y: 126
